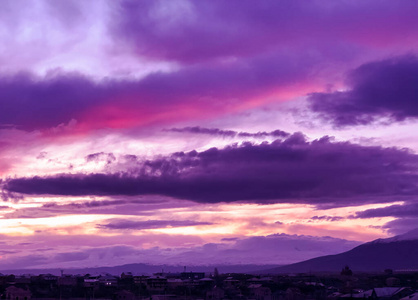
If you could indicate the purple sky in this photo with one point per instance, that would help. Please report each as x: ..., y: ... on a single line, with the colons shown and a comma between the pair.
x: 196, y: 132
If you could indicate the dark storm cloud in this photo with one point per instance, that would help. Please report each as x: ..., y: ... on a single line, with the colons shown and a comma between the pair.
x: 387, y: 88
x: 290, y: 170
x: 119, y: 224
x: 229, y: 133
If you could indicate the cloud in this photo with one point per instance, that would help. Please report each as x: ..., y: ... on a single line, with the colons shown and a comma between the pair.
x: 71, y: 256
x: 120, y: 224
x: 229, y: 133
x: 229, y: 239
x: 326, y: 218
x: 32, y: 103
x: 262, y: 51
x: 9, y: 196
x: 261, y: 58
x: 406, y: 216
x: 194, y: 32
x: 387, y: 88
x: 290, y: 170
x: 76, y: 103
x: 109, y: 157
x: 405, y: 210
x: 402, y: 225
x: 139, y: 207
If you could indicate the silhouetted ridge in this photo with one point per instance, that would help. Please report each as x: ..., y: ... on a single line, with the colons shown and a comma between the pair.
x: 397, y: 253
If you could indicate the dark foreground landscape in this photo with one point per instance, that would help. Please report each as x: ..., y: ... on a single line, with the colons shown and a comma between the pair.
x: 200, y: 285
x: 382, y: 269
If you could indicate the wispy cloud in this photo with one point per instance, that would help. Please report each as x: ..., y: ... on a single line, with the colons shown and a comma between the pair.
x: 119, y: 224
x: 229, y: 133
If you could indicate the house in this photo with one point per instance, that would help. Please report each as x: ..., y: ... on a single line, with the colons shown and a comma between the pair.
x: 108, y: 280
x: 91, y: 282
x: 381, y: 293
x: 192, y: 275
x: 67, y: 280
x: 413, y: 296
x: 15, y: 293
x: 391, y: 293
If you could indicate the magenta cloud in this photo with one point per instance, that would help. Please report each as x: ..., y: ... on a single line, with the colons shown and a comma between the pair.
x: 230, y: 56
x: 31, y: 102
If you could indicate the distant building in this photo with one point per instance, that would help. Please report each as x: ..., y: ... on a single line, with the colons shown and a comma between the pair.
x: 15, y: 293
x: 192, y: 275
x: 108, y: 280
x: 91, y: 282
x: 67, y: 280
x: 156, y: 284
x: 174, y: 283
x: 230, y: 283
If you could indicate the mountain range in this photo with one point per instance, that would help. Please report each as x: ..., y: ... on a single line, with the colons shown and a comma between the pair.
x: 396, y: 253
x: 143, y: 269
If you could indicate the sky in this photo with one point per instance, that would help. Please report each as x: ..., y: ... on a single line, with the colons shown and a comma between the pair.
x: 204, y: 132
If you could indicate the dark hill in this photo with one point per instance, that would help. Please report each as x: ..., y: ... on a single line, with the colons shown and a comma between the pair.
x: 396, y: 254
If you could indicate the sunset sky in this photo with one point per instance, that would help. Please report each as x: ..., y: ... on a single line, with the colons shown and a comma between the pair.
x: 204, y: 132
